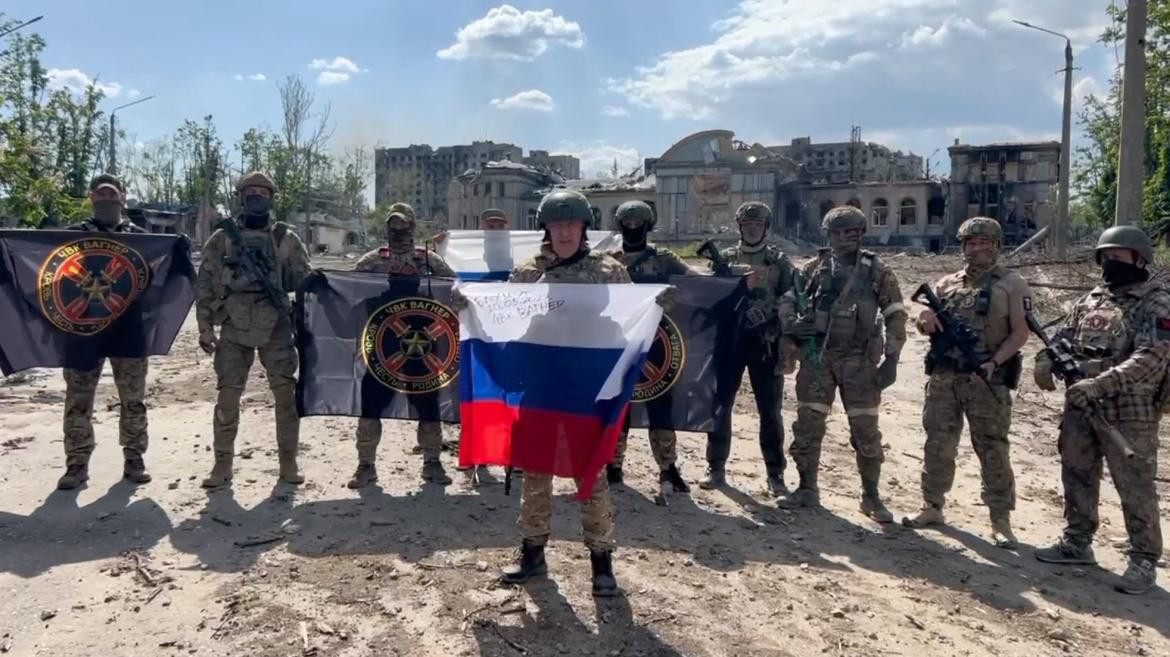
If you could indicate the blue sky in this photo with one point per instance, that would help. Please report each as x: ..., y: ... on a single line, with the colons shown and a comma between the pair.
x: 600, y: 79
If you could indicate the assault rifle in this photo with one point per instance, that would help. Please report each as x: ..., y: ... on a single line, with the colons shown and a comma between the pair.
x: 812, y: 352
x: 711, y: 252
x: 255, y: 265
x: 1064, y: 365
x: 954, y: 334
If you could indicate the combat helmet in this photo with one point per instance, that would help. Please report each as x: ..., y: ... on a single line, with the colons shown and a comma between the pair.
x: 1125, y: 237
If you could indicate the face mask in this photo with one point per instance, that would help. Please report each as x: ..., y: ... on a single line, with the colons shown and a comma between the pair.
x: 107, y: 212
x: 257, y: 206
x: 844, y: 245
x: 400, y: 237
x: 1116, y: 273
x: 634, y: 237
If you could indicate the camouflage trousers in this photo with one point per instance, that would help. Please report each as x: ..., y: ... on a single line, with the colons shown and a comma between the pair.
x: 950, y: 397
x: 233, y: 361
x: 1081, y: 460
x: 80, y: 388
x: 855, y: 375
x: 536, y: 502
x: 369, y: 434
x: 663, y: 443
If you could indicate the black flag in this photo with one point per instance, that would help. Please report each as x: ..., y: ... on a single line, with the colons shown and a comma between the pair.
x: 378, y: 348
x: 69, y: 298
x: 690, y: 359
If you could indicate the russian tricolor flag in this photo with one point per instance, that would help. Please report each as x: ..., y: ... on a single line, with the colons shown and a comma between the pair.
x: 547, y: 372
x: 490, y: 255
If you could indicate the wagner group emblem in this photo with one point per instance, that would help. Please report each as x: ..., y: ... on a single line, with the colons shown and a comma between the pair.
x: 412, y: 345
x: 664, y: 363
x: 86, y: 285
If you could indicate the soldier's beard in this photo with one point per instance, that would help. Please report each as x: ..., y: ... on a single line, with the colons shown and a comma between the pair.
x: 980, y: 261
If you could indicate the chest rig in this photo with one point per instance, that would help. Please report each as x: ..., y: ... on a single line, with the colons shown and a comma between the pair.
x: 844, y: 299
x: 261, y: 246
x: 762, y: 315
x: 407, y: 263
x: 1102, y: 335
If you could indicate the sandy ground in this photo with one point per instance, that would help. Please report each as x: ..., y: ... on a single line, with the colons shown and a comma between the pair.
x: 405, y: 569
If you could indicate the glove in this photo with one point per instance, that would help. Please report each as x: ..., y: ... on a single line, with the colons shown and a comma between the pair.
x: 1042, y: 372
x: 665, y: 298
x: 1083, y: 393
x: 803, y: 329
x: 458, y: 301
x: 207, y: 341
x: 887, y: 372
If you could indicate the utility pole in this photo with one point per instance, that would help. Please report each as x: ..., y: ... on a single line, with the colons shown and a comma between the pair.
x: 1060, y: 235
x: 17, y: 27
x: 1130, y: 165
x: 112, y: 165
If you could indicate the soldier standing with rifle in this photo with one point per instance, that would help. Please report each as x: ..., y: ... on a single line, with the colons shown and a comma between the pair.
x: 848, y: 291
x: 249, y: 267
x: 989, y: 304
x: 1119, y: 338
x: 648, y: 263
x: 759, y: 351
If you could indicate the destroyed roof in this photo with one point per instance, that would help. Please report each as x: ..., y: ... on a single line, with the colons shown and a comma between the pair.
x: 587, y: 185
x: 1005, y: 145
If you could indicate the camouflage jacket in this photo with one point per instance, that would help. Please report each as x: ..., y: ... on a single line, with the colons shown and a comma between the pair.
x: 1123, y: 341
x: 585, y: 267
x: 224, y: 294
x: 416, y: 262
x: 773, y: 278
x: 652, y: 264
x: 848, y: 320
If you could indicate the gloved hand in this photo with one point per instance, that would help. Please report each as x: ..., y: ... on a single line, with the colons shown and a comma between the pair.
x: 207, y: 341
x: 887, y: 372
x: 665, y: 298
x: 458, y: 301
x: 1042, y: 372
x: 803, y: 329
x: 1082, y: 393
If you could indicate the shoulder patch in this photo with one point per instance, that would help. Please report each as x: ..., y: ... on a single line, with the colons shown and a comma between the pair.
x: 1027, y: 304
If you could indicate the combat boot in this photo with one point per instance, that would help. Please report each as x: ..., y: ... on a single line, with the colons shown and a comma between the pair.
x: 604, y: 583
x: 1067, y: 551
x: 775, y: 484
x: 221, y: 472
x: 672, y: 476
x: 928, y: 515
x: 531, y: 564
x: 289, y: 473
x: 613, y: 474
x: 75, y: 475
x: 365, y: 475
x: 1140, y: 576
x: 872, y: 506
x: 134, y: 468
x: 805, y: 495
x: 434, y: 473
x: 716, y: 478
x: 1001, y: 531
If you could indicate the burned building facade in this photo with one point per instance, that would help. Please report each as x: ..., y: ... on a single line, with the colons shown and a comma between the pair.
x: 1014, y: 183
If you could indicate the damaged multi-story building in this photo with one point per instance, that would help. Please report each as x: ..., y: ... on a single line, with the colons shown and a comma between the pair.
x: 1014, y: 183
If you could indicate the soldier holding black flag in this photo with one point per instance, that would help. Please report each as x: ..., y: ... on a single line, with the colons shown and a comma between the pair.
x: 248, y: 269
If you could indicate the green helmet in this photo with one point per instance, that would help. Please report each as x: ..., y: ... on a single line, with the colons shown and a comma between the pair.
x: 563, y: 205
x: 638, y: 210
x: 754, y: 211
x: 844, y: 217
x: 255, y: 179
x: 981, y: 227
x: 1125, y: 237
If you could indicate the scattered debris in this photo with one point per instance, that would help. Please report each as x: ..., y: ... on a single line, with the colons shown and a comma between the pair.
x: 915, y: 622
x: 48, y: 614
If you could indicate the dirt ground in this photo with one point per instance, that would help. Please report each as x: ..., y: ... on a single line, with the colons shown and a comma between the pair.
x: 405, y: 569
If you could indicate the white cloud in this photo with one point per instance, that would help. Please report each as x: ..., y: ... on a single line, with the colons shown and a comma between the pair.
x: 533, y: 99
x: 615, y: 110
x: 77, y: 81
x: 134, y: 93
x: 335, y: 71
x: 926, y: 36
x: 507, y: 33
x: 255, y: 77
x: 597, y: 158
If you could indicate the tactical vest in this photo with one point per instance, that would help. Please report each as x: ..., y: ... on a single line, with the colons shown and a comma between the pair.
x: 763, y: 299
x: 645, y: 266
x: 971, y: 304
x: 267, y: 244
x: 846, y: 318
x: 1102, y: 337
x: 410, y: 263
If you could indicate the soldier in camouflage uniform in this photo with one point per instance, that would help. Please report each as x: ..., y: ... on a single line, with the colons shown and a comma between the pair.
x: 108, y: 196
x: 226, y: 295
x: 760, y: 351
x: 400, y: 257
x: 848, y: 291
x: 565, y: 258
x: 647, y: 263
x: 1120, y: 335
x: 993, y: 301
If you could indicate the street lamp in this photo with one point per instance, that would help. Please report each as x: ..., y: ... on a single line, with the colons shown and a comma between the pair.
x: 113, y: 165
x: 17, y: 27
x: 1060, y: 239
